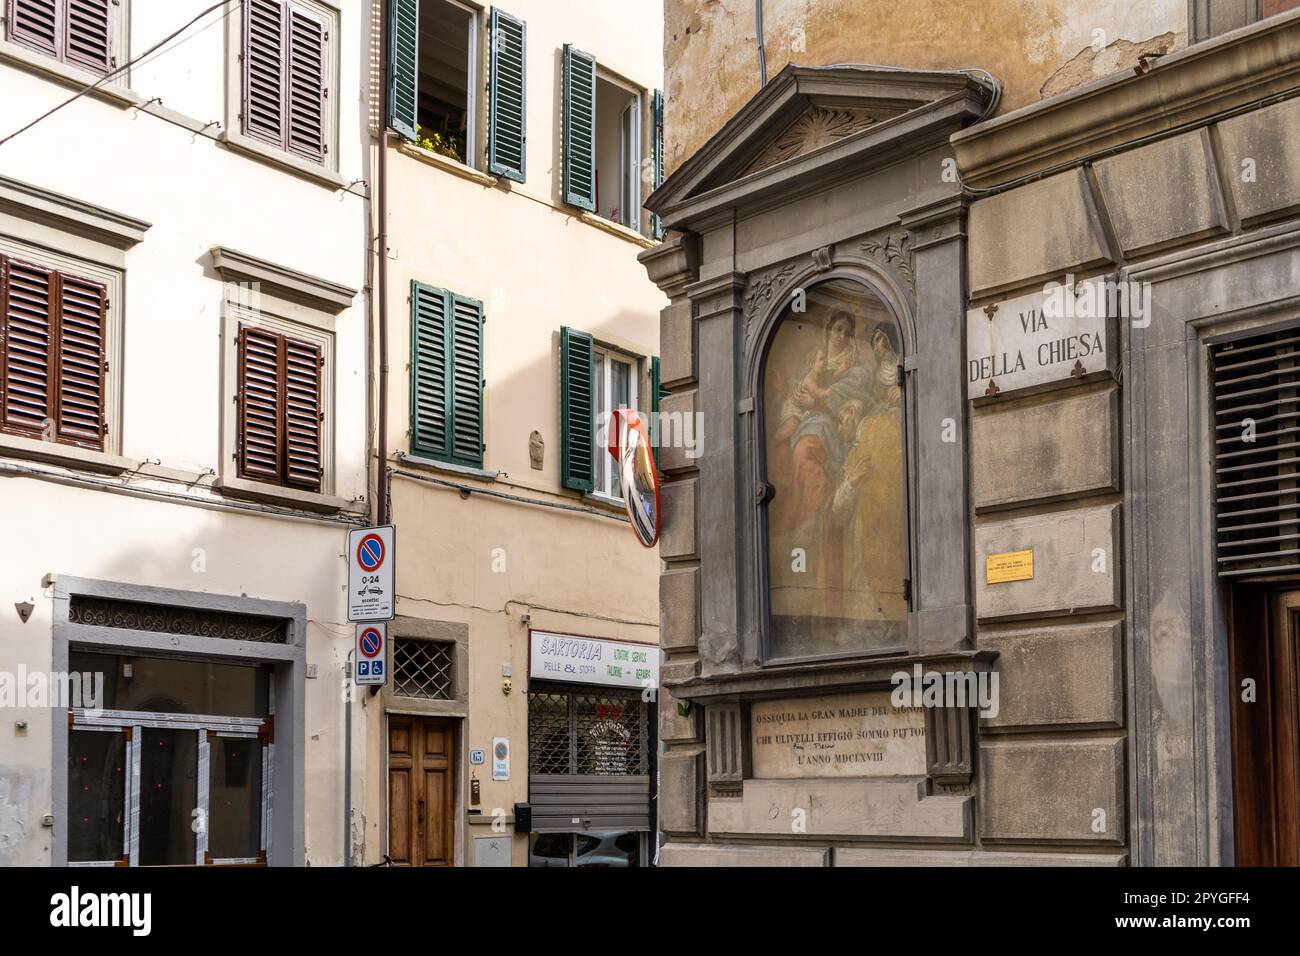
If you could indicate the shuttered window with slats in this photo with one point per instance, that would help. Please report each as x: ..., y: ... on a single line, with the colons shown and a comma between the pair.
x: 79, y: 32
x: 53, y: 361
x: 507, y: 130
x: 285, y: 65
x: 281, y: 414
x: 1256, y: 398
x: 446, y: 376
x: 577, y: 410
x: 657, y: 155
x: 579, y: 128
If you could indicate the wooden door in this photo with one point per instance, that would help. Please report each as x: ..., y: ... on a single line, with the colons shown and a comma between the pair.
x: 421, y: 792
x: 1265, y: 650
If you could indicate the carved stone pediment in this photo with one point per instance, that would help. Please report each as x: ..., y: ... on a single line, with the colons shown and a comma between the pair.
x: 813, y: 126
x: 818, y: 127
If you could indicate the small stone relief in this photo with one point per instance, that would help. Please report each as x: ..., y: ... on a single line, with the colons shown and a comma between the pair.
x: 817, y: 128
x: 896, y: 253
x: 822, y: 258
x: 536, y: 450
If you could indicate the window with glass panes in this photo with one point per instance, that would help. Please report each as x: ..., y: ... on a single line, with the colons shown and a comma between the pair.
x: 615, y: 377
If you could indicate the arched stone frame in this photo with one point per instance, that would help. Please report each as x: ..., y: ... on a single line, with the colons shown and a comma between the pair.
x: 770, y: 295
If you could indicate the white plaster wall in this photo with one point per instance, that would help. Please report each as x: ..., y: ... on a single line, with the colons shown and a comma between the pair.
x: 197, y: 194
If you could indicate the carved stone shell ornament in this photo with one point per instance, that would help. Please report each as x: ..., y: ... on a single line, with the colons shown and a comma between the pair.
x: 817, y: 128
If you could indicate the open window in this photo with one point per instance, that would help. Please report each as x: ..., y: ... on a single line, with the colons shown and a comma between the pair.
x: 616, y: 380
x: 618, y: 153
x: 446, y: 98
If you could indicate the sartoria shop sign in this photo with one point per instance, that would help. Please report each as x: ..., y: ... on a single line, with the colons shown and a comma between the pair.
x: 1063, y: 332
x: 843, y: 735
x: 589, y: 660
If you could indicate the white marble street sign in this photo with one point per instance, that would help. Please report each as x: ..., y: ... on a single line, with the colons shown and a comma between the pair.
x: 1064, y: 331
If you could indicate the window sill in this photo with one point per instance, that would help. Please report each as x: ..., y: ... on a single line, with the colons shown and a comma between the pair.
x: 614, y: 229
x: 269, y: 154
x: 434, y: 465
x: 69, y: 456
x: 278, y: 495
x: 446, y: 163
x: 605, y: 501
x: 70, y: 76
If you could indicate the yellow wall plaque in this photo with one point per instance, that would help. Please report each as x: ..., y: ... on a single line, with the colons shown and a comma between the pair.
x: 1011, y: 566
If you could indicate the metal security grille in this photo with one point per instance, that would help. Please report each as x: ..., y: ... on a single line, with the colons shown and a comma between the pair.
x: 422, y: 669
x: 590, y: 734
x: 1256, y: 397
x: 165, y: 619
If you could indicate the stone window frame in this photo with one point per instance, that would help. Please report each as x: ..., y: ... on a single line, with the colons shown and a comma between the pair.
x: 817, y: 268
x: 288, y: 689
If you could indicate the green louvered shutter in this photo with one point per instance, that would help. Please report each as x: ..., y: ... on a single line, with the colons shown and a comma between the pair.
x: 656, y: 228
x: 466, y: 381
x: 507, y: 129
x: 577, y: 410
x: 579, y: 129
x: 403, y: 62
x: 430, y: 402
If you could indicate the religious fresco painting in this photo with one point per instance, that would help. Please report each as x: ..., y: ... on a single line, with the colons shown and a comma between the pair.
x: 833, y: 422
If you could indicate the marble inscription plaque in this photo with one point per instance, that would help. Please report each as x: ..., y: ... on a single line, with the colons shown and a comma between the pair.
x: 841, y: 735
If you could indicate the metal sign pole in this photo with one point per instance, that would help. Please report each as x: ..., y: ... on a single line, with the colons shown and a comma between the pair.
x: 347, y: 760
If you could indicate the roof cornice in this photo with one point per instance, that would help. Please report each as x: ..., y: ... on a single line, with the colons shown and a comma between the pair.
x: 1193, y: 85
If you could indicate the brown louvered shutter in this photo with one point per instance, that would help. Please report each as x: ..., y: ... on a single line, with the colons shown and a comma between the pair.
x: 83, y: 307
x: 302, y: 404
x: 35, y: 24
x: 306, y: 86
x: 264, y: 70
x: 28, y: 331
x: 259, y: 404
x: 87, y: 33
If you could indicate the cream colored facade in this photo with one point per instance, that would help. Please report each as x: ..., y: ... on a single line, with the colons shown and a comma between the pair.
x: 148, y: 186
x: 483, y: 556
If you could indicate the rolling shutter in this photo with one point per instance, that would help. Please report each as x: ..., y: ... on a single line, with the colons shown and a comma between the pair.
x: 579, y: 129
x: 1256, y: 399
x: 507, y: 124
x: 52, y: 377
x: 305, y: 84
x: 403, y: 61
x: 259, y: 404
x: 577, y: 410
x: 87, y: 31
x: 657, y: 155
x: 302, y: 414
x: 35, y: 24
x: 264, y: 71
x: 446, y: 376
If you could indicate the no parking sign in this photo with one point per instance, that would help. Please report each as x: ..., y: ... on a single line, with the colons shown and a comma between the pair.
x: 370, y: 574
x: 371, y: 654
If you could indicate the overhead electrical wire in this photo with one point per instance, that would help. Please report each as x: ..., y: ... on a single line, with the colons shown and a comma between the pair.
x: 117, y: 71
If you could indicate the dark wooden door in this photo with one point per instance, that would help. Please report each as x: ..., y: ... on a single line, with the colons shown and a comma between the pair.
x: 421, y: 791
x: 1265, y: 651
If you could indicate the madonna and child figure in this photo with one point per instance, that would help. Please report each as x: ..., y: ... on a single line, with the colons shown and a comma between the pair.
x: 834, y: 455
